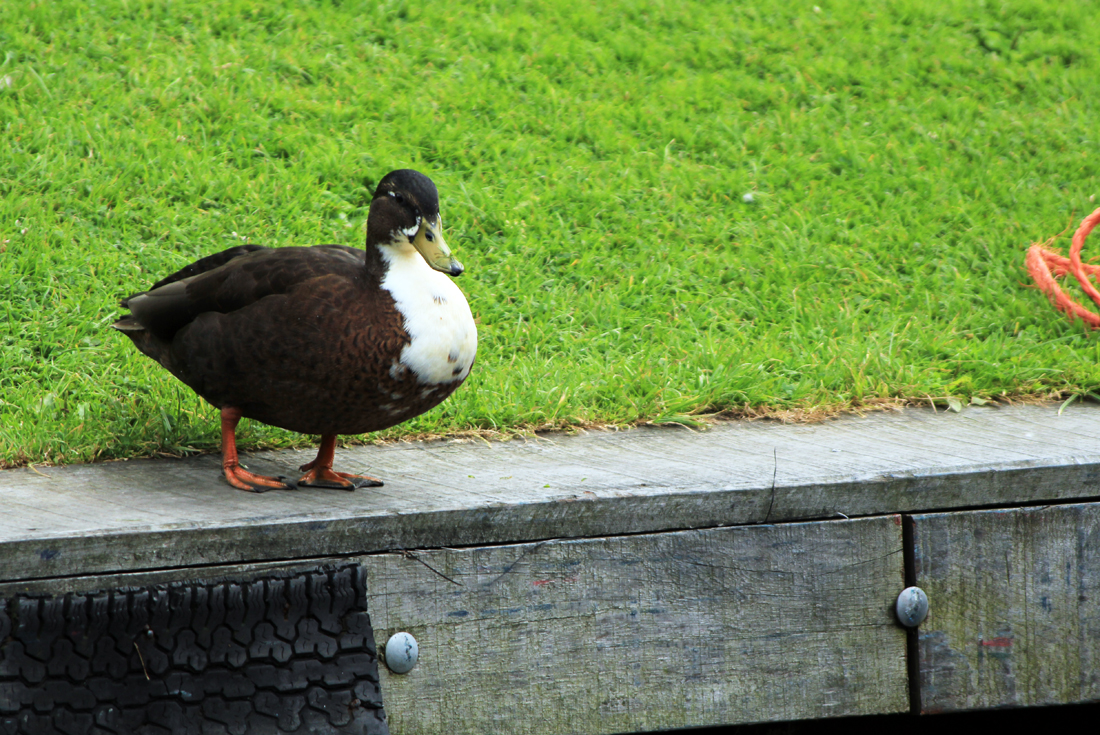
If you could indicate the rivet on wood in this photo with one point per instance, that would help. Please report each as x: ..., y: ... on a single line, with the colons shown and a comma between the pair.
x: 402, y: 653
x: 912, y: 607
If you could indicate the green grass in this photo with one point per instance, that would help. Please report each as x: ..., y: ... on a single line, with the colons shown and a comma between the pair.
x: 592, y: 162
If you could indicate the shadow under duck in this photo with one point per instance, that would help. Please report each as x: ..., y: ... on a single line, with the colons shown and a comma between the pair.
x: 320, y: 340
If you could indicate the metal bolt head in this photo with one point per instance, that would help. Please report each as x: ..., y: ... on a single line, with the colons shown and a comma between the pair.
x: 912, y: 607
x: 402, y: 653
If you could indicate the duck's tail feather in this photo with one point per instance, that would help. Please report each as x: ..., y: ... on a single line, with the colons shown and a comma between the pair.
x: 146, y: 341
x: 128, y: 324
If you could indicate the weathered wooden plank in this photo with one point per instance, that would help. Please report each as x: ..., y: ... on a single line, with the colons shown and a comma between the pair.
x: 646, y: 632
x: 92, y: 583
x: 150, y: 514
x: 1014, y: 607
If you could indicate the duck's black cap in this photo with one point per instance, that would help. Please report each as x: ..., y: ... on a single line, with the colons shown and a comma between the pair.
x: 413, y: 187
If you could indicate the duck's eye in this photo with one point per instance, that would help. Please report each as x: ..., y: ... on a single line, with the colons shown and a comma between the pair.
x: 400, y: 199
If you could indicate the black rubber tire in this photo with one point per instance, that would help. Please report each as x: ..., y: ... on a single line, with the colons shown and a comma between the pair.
x: 279, y: 654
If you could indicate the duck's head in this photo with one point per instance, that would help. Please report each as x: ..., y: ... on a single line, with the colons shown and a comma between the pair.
x: 405, y: 211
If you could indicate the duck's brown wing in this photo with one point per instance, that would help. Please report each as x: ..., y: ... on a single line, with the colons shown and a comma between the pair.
x: 209, y: 263
x: 231, y: 280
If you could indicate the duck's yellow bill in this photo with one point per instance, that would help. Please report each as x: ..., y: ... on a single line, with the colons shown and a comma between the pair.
x: 429, y: 241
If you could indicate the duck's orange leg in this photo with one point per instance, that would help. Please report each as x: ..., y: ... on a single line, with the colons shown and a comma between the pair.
x: 318, y: 473
x: 236, y: 475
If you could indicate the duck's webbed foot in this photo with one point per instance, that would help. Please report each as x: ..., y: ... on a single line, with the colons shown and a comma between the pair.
x: 242, y: 479
x: 236, y: 475
x: 325, y: 477
x: 319, y: 473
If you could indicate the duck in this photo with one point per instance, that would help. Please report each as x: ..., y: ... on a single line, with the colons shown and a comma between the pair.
x: 321, y: 340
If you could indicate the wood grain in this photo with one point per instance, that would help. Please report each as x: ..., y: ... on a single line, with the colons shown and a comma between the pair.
x: 1014, y: 607
x: 154, y: 514
x: 646, y: 632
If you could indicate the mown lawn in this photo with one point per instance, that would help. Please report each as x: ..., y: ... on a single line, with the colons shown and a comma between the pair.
x: 593, y: 161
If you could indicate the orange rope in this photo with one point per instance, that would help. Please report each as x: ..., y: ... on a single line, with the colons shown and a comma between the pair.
x: 1045, y: 265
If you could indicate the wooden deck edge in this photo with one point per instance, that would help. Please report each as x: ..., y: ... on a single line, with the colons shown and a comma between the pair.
x: 151, y: 550
x: 738, y: 478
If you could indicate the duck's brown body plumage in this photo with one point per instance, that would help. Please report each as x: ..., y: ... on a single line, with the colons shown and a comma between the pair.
x: 300, y: 338
x: 310, y: 339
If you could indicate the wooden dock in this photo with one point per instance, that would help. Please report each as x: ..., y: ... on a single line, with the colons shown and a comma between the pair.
x: 608, y: 582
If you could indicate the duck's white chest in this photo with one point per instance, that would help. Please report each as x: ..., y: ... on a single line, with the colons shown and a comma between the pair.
x: 437, y: 318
